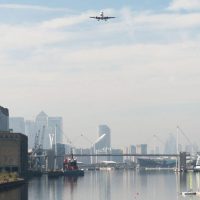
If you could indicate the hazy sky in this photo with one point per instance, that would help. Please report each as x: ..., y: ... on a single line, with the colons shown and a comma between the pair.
x: 138, y: 73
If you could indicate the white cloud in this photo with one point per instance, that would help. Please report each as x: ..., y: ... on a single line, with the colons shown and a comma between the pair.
x: 185, y: 5
x: 64, y: 21
x: 101, y: 69
x: 29, y: 7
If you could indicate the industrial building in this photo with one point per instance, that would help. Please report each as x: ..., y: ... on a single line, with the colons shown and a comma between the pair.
x: 13, y: 153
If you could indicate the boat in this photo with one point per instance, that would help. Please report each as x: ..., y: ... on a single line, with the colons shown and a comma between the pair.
x: 70, y: 167
x: 54, y: 173
x: 189, y: 193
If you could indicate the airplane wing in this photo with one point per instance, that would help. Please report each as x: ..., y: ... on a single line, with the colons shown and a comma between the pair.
x: 93, y: 17
x: 109, y: 17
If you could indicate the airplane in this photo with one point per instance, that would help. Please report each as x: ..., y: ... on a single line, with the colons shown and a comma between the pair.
x: 102, y: 17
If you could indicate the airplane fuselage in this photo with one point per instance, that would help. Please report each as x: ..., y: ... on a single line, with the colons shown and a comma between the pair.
x: 102, y: 17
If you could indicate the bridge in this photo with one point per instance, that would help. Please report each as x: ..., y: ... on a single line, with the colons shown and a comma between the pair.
x: 126, y: 154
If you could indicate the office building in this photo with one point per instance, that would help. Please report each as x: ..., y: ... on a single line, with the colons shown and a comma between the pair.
x: 30, y: 131
x: 170, y: 145
x: 41, y: 124
x: 141, y: 149
x: 117, y: 159
x: 104, y: 140
x: 55, y: 125
x: 4, y: 119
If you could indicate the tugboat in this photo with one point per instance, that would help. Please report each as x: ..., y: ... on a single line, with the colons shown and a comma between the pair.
x: 70, y: 167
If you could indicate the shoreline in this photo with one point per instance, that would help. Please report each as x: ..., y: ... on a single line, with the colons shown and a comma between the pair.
x: 11, y: 184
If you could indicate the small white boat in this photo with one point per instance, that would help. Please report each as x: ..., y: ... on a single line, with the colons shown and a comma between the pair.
x: 189, y: 193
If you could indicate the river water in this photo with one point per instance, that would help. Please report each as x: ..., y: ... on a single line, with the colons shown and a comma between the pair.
x: 109, y: 185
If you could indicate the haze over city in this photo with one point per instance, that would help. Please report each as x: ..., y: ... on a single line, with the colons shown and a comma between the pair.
x: 138, y: 73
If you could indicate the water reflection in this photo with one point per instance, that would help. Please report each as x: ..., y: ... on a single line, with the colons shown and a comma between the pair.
x: 19, y: 193
x: 109, y: 185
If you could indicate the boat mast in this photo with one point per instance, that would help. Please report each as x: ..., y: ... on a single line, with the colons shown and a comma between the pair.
x: 55, y: 148
x: 177, y: 148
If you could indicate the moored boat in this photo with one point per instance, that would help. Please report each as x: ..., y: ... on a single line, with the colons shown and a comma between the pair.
x: 189, y: 193
x: 55, y: 174
x: 70, y: 167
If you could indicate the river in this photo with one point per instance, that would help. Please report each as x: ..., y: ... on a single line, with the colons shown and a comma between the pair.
x: 109, y: 185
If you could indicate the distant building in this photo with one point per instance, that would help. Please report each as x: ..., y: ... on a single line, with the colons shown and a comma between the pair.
x: 83, y: 159
x: 17, y: 124
x: 4, y: 119
x: 117, y: 159
x: 55, y: 124
x: 170, y: 145
x: 132, y: 149
x: 42, y: 130
x: 60, y: 153
x: 104, y: 141
x: 30, y: 131
x: 13, y: 153
x: 141, y: 149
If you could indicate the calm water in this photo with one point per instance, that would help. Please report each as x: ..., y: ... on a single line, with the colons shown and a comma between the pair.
x: 108, y: 185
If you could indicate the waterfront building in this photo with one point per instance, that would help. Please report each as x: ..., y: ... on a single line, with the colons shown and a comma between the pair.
x: 55, y: 124
x: 17, y: 124
x: 141, y: 149
x: 83, y: 159
x: 4, y: 119
x: 133, y: 149
x: 170, y: 145
x: 117, y: 159
x: 13, y: 153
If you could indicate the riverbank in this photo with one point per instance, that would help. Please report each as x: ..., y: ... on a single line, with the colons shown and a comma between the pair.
x: 10, y: 180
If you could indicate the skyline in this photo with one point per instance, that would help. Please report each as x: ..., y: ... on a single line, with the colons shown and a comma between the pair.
x: 32, y: 127
x: 138, y: 73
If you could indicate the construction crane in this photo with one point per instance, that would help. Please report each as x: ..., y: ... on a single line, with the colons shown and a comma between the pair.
x: 187, y: 139
x: 42, y: 138
x: 37, y: 153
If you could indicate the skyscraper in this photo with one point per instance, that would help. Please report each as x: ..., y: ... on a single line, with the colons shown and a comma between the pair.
x: 104, y: 141
x: 141, y: 148
x: 30, y: 131
x: 41, y: 123
x: 4, y: 119
x: 55, y: 124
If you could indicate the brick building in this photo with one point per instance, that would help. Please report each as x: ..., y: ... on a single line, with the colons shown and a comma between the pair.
x: 13, y: 153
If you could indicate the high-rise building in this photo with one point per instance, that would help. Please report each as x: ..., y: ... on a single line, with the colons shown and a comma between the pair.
x: 170, y: 145
x: 104, y: 141
x: 132, y: 149
x: 17, y: 124
x: 4, y: 119
x: 41, y: 123
x: 55, y: 125
x: 141, y: 149
x: 30, y: 131
x: 117, y: 159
